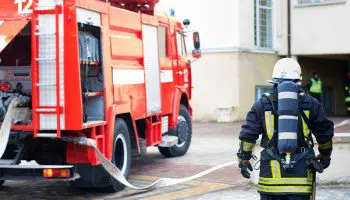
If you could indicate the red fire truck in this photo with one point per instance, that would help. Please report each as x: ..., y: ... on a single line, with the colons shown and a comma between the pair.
x: 111, y: 70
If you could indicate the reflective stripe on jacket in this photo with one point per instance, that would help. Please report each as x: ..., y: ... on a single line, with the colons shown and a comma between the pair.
x: 273, y: 179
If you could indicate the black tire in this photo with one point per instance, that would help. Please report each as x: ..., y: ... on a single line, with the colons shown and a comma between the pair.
x: 1, y: 182
x: 96, y: 178
x: 184, y: 132
x: 121, y: 149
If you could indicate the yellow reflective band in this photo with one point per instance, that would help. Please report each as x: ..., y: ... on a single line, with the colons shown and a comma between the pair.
x: 285, y: 181
x: 278, y: 169
x: 270, y: 124
x: 347, y: 99
x: 247, y: 146
x: 348, y: 108
x: 285, y: 189
x: 326, y: 145
x: 275, y: 169
x: 306, y: 129
x: 308, y: 178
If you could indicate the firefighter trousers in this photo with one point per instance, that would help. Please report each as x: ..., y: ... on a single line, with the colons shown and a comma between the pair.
x: 284, y: 197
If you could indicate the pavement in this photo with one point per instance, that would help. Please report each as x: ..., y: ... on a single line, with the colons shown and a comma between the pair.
x: 213, y: 144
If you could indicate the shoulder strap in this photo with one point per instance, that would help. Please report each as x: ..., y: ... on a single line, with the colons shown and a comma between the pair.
x: 305, y: 118
x: 302, y: 114
x: 270, y: 97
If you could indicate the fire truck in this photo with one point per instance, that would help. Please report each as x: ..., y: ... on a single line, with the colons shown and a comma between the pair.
x: 115, y: 71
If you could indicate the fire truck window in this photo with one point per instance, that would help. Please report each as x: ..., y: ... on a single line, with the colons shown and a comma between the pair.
x: 162, y: 41
x: 181, y: 47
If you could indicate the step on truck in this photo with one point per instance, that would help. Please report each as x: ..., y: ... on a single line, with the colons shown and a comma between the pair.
x: 115, y: 71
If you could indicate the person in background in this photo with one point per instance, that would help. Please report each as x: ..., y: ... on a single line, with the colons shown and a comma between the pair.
x: 347, y: 93
x: 315, y: 87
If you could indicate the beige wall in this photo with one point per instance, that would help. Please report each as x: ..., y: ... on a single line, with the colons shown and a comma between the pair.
x: 215, y: 81
x: 228, y: 79
x: 254, y: 70
x: 281, y: 27
x: 246, y: 24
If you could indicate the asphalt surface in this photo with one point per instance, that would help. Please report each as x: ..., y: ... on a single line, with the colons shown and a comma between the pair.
x: 212, y: 144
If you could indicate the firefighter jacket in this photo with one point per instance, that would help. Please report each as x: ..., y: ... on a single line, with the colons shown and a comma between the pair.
x: 261, y: 119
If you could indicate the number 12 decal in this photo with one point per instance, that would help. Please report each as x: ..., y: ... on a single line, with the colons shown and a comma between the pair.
x: 27, y: 6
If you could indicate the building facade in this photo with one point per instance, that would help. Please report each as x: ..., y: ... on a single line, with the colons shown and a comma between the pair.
x: 320, y: 41
x: 242, y: 39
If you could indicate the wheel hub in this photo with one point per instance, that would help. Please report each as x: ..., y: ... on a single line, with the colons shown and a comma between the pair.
x: 182, y: 130
x: 120, y: 153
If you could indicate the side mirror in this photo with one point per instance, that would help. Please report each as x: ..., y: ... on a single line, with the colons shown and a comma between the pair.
x: 197, y: 45
x: 186, y: 22
x: 196, y: 41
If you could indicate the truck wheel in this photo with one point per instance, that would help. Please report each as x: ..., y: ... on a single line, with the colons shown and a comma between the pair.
x: 184, y: 132
x: 121, y: 153
x: 1, y: 182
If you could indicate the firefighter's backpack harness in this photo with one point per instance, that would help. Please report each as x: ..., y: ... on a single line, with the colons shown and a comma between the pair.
x: 289, y: 144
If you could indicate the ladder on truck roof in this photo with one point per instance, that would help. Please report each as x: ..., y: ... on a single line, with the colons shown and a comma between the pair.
x: 47, y: 68
x: 143, y: 6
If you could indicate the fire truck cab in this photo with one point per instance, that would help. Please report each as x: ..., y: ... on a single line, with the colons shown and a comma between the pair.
x: 114, y: 71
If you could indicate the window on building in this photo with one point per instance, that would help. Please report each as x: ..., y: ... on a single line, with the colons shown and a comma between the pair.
x: 260, y: 90
x: 162, y: 41
x: 181, y: 46
x: 263, y: 24
x: 317, y: 2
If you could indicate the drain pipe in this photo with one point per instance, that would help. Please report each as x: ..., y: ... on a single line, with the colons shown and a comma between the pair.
x: 289, y: 29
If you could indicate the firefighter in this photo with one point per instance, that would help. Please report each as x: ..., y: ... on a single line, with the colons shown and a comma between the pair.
x: 276, y: 181
x: 315, y: 86
x: 347, y: 93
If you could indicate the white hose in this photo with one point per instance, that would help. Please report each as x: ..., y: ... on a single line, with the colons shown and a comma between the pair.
x: 117, y: 174
x: 108, y: 165
x: 6, y: 125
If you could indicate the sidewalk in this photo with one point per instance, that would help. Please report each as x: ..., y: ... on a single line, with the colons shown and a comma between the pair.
x: 212, y: 144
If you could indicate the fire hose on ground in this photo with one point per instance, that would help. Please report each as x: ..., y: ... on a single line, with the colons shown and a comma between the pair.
x: 108, y: 165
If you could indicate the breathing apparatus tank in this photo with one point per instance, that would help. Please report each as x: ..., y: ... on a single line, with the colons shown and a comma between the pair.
x: 288, y: 110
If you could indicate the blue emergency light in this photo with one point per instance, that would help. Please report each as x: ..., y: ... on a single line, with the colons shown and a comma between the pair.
x: 172, y: 12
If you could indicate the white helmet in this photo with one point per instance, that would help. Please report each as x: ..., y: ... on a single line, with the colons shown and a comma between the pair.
x: 286, y: 68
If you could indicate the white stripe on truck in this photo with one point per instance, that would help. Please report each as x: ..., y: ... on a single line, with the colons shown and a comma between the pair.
x: 127, y: 77
x: 166, y: 76
x: 137, y: 76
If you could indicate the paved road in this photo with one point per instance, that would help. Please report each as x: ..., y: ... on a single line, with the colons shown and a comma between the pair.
x: 213, y: 144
